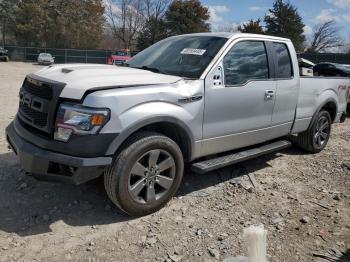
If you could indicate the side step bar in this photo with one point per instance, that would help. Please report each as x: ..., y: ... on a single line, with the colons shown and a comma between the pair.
x: 222, y: 161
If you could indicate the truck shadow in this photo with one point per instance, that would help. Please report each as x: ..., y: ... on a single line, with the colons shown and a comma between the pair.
x: 30, y: 207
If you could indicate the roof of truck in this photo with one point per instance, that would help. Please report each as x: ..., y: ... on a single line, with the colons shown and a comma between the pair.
x: 236, y: 34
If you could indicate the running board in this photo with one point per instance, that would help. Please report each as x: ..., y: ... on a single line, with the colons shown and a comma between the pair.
x: 222, y: 161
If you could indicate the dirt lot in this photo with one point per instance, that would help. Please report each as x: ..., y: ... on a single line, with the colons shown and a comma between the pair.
x: 303, y: 200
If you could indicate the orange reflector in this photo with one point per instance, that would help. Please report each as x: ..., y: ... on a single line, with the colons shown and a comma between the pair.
x: 97, y: 120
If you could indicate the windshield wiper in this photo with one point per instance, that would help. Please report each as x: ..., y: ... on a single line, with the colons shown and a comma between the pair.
x: 152, y: 69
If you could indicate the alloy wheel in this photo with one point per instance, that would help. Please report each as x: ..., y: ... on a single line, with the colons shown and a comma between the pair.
x: 151, y: 176
x: 321, y: 131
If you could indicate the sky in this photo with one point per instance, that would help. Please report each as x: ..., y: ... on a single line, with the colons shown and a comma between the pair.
x: 313, y: 12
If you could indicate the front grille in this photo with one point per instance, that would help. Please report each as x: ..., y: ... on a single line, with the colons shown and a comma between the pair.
x: 44, y: 91
x: 38, y: 101
x: 36, y: 117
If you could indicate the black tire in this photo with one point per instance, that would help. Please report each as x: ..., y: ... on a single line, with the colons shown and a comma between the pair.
x: 118, y: 177
x: 308, y: 141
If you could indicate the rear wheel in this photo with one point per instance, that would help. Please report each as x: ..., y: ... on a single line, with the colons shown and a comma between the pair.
x: 316, y: 137
x: 145, y: 175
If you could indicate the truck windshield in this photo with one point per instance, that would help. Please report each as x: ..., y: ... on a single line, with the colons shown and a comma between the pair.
x: 120, y: 53
x: 185, y: 56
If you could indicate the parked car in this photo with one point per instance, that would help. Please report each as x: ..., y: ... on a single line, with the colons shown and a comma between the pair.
x: 119, y: 57
x: 209, y: 99
x: 4, y: 54
x: 45, y: 59
x: 332, y: 69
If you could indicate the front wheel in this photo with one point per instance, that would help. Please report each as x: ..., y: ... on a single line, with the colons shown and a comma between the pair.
x: 316, y: 137
x: 145, y: 174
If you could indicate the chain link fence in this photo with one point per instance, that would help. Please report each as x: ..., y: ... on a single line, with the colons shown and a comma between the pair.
x: 17, y: 53
x: 62, y: 56
x: 326, y: 57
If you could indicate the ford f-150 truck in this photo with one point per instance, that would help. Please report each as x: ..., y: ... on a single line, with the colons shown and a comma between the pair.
x: 208, y: 99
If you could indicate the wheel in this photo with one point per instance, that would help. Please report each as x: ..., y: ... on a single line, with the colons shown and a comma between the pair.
x: 316, y: 137
x: 145, y: 174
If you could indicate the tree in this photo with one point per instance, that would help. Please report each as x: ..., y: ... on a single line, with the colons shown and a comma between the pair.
x: 153, y: 31
x: 32, y: 21
x: 187, y: 16
x: 252, y: 27
x: 60, y: 23
x: 7, y: 21
x: 324, y: 37
x: 125, y: 19
x: 155, y: 28
x: 283, y: 20
x: 155, y: 8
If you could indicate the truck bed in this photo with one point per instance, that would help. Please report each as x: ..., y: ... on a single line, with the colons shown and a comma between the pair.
x: 315, y: 91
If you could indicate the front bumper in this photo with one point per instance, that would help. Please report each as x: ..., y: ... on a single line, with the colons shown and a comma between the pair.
x: 52, y: 166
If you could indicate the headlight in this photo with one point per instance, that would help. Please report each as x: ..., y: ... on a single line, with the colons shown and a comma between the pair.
x: 81, y: 120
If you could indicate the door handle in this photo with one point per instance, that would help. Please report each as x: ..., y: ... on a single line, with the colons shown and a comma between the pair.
x: 269, y: 94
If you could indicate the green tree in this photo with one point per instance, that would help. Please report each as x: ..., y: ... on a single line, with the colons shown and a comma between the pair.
x: 32, y: 21
x: 187, y: 16
x: 7, y: 21
x: 284, y: 20
x: 60, y: 23
x: 153, y: 31
x: 252, y: 27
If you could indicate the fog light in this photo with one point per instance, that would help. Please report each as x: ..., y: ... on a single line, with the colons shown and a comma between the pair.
x: 63, y: 134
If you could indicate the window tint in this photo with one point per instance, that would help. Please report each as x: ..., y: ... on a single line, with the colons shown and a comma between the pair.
x: 284, y: 68
x: 247, y: 60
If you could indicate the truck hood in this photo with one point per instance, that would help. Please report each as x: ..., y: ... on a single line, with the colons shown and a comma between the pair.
x: 80, y: 78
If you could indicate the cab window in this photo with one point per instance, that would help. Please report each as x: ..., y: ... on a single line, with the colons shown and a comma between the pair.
x: 284, y: 63
x: 246, y: 61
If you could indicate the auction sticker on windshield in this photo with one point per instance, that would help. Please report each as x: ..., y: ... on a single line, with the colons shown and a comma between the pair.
x: 193, y: 51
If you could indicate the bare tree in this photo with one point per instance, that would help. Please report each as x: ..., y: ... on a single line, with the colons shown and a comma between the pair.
x: 324, y: 37
x: 125, y: 19
x: 155, y: 8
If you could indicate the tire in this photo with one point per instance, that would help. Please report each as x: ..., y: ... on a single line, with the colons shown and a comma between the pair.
x: 133, y: 185
x: 314, y: 140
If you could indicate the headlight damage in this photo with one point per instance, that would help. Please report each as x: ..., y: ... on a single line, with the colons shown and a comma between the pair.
x: 78, y: 119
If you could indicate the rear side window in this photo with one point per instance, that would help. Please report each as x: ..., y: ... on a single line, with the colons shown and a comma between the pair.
x: 284, y: 66
x: 247, y: 60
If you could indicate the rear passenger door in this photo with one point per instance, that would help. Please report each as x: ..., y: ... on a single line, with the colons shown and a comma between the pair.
x: 287, y: 88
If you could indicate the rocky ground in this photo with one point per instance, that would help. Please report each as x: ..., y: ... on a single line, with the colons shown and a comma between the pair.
x: 302, y: 200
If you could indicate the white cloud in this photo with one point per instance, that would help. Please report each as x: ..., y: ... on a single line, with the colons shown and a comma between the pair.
x: 215, y: 14
x: 340, y: 3
x: 255, y: 8
x: 326, y: 16
x: 307, y: 30
x: 346, y: 18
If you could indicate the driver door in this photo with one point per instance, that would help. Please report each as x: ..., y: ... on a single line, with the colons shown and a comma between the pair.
x: 239, y: 99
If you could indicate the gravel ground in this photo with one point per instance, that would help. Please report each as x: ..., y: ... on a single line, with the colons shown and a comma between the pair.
x: 303, y: 201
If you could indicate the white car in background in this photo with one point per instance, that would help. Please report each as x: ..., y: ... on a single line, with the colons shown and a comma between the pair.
x: 45, y: 59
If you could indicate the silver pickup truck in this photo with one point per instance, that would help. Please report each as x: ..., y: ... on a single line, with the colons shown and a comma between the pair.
x: 209, y: 99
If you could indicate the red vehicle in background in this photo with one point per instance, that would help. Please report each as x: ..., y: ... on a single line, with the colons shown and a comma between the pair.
x: 119, y: 57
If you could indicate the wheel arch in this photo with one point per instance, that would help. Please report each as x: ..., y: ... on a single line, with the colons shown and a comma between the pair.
x: 168, y: 126
x: 330, y: 105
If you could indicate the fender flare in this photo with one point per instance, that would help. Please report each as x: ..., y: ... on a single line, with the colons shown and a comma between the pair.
x: 125, y: 134
x: 319, y: 109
